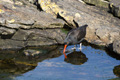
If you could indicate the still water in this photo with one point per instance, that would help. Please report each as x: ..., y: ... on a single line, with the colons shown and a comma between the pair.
x: 50, y: 64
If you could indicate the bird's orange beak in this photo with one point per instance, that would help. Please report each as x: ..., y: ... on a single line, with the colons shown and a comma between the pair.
x: 64, y: 51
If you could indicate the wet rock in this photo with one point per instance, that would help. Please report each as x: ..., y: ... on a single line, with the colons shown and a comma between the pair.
x: 15, y: 62
x: 116, y: 70
x: 14, y: 67
x: 115, y: 7
x: 30, y: 52
x: 11, y: 44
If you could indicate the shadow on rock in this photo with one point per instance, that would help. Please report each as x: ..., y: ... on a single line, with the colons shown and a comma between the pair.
x: 76, y: 58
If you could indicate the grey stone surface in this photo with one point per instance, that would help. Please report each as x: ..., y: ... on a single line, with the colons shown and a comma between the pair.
x: 32, y: 27
x: 11, y: 44
x: 116, y: 45
x: 115, y: 7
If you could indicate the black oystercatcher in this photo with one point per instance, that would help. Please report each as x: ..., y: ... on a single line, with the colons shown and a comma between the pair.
x: 74, y: 37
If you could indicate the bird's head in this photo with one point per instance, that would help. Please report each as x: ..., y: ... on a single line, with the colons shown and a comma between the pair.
x: 85, y: 25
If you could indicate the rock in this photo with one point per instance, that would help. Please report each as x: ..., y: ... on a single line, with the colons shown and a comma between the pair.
x: 115, y: 7
x: 116, y: 70
x: 51, y: 7
x: 6, y: 31
x: 21, y: 35
x: 107, y: 34
x: 26, y: 22
x: 13, y: 26
x: 21, y: 18
x: 103, y: 34
x: 45, y: 37
x: 11, y: 44
x: 25, y: 27
x: 30, y: 52
x: 116, y: 45
x: 92, y: 38
x: 33, y: 37
x: 10, y: 21
x: 100, y: 3
x: 2, y: 21
x: 49, y: 23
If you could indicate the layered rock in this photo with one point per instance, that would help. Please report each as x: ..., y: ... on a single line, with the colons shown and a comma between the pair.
x: 22, y: 25
x: 23, y: 22
x: 115, y: 7
x: 100, y: 3
x: 112, y: 5
x: 103, y: 27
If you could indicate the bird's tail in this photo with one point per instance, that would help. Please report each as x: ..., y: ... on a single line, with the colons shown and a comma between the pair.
x: 85, y: 25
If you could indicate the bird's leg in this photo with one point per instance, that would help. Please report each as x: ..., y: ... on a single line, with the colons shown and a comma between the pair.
x: 64, y: 51
x: 74, y: 48
x: 80, y: 46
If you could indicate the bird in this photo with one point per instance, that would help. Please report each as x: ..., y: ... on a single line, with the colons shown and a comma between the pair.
x: 74, y: 37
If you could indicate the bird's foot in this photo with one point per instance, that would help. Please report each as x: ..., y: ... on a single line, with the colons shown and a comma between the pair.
x: 73, y: 48
x: 80, y: 49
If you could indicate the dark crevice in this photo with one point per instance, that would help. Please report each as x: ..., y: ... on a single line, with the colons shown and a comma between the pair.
x: 38, y: 5
x: 90, y: 4
x: 6, y: 36
x: 60, y: 17
x: 76, y: 24
x: 67, y: 27
x: 67, y: 23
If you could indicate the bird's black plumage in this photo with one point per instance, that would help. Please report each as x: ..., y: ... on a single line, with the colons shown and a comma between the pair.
x: 76, y: 35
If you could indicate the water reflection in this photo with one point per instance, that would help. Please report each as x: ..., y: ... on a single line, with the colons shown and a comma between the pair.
x: 116, y: 70
x: 14, y: 63
x: 10, y: 66
x: 76, y: 58
x: 49, y: 60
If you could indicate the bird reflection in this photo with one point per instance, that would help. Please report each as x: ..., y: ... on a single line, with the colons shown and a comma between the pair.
x: 76, y: 58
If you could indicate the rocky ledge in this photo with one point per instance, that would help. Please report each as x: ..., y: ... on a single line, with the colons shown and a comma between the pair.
x: 40, y: 22
x: 23, y: 25
x: 112, y: 5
